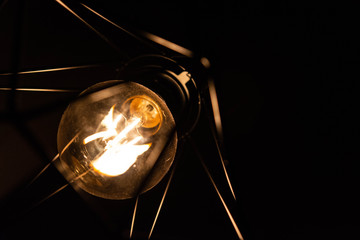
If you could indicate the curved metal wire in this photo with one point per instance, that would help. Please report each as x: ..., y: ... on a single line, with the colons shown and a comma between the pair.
x: 216, y: 130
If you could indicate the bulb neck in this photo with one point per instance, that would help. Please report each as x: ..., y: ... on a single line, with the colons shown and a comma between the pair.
x: 173, y: 83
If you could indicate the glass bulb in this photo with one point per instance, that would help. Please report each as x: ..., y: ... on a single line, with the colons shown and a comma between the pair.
x: 116, y: 140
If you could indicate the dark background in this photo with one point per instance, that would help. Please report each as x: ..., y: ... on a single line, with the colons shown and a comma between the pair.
x: 287, y: 79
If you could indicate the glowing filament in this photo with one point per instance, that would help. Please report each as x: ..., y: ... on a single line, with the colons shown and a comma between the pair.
x: 121, y: 151
x: 117, y: 160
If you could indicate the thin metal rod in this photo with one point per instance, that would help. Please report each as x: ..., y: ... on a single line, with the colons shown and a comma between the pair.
x: 37, y: 90
x: 162, y: 200
x: 111, y: 22
x: 133, y: 217
x: 224, y: 168
x: 161, y: 41
x: 53, y: 160
x: 215, y: 108
x: 236, y: 228
x: 166, y: 43
x: 50, y: 195
x: 69, y: 143
x: 42, y: 171
x: 218, y: 132
x: 49, y: 70
x: 88, y: 25
x: 60, y: 189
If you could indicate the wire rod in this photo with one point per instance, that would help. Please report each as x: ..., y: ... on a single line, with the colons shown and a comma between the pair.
x: 162, y: 199
x: 236, y: 228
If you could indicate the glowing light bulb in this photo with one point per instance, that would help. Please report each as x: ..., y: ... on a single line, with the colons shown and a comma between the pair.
x: 117, y: 140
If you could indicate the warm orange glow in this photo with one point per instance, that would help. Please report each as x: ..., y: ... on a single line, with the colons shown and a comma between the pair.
x: 147, y: 110
x: 120, y: 138
x: 118, y: 159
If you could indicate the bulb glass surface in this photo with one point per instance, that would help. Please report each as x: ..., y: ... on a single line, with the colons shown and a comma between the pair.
x: 117, y: 140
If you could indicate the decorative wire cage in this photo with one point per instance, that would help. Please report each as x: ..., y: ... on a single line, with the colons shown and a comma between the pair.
x: 34, y: 96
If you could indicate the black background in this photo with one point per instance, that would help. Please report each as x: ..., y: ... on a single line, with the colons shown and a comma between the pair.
x: 287, y: 80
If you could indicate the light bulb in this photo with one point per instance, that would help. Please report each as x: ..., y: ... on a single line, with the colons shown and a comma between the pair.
x: 116, y: 140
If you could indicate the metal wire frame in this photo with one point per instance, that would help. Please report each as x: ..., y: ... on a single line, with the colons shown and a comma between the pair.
x: 148, y: 40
